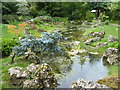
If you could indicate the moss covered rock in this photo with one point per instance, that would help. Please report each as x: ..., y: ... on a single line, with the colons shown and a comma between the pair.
x: 110, y: 81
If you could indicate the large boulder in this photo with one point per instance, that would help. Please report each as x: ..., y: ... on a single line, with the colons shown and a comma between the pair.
x: 36, y: 76
x: 17, y: 75
x: 81, y: 83
x: 111, y: 54
x: 32, y: 84
x: 46, y: 76
x: 32, y: 68
x: 31, y: 56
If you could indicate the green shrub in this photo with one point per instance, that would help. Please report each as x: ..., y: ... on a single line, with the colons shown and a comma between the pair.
x: 113, y: 44
x: 104, y: 18
x: 44, y: 18
x: 38, y: 21
x: 94, y: 21
x: 22, y: 18
x: 89, y: 16
x: 106, y: 22
x: 33, y: 11
x: 42, y: 12
x: 59, y: 19
x: 7, y: 46
x: 9, y: 18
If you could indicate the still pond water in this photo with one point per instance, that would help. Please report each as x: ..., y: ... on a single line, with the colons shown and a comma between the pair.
x: 90, y: 70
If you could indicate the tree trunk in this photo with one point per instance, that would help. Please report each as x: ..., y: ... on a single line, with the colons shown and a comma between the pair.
x: 98, y: 13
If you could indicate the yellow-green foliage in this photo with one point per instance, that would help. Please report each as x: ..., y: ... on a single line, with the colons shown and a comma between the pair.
x: 110, y: 81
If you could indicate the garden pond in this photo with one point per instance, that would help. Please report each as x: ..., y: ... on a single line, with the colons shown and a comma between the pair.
x: 69, y: 70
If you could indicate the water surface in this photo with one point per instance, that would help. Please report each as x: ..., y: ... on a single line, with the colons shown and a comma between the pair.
x: 90, y: 70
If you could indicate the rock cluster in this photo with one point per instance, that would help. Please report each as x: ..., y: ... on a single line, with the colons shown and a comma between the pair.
x: 81, y: 83
x: 96, y: 34
x: 77, y: 52
x: 100, y: 44
x: 29, y: 55
x: 72, y: 22
x: 111, y: 54
x: 96, y: 37
x: 35, y: 76
x: 111, y: 39
x: 89, y: 41
x: 17, y: 75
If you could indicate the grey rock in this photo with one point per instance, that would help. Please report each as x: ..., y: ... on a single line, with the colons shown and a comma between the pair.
x: 41, y: 76
x: 72, y: 22
x: 81, y: 83
x: 89, y: 41
x: 15, y: 70
x: 96, y: 34
x: 31, y: 84
x: 17, y: 75
x: 111, y: 39
x: 31, y: 68
x: 101, y: 44
x: 111, y: 55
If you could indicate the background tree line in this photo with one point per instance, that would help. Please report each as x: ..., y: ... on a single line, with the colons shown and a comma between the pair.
x: 71, y: 10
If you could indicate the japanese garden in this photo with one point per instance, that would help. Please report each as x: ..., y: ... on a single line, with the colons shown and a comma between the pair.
x: 60, y: 45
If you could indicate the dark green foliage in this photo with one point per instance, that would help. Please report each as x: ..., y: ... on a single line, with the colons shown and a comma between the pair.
x: 33, y: 11
x: 9, y: 8
x: 89, y: 16
x: 23, y: 18
x: 71, y: 10
x: 9, y: 18
x: 44, y: 18
x: 37, y: 21
x: 7, y: 46
x: 48, y: 44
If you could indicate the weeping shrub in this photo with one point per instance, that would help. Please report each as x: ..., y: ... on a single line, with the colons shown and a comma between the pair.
x: 47, y: 45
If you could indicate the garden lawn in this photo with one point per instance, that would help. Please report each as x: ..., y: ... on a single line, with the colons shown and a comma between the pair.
x: 48, y: 27
x: 109, y: 30
x: 8, y: 35
x: 6, y: 64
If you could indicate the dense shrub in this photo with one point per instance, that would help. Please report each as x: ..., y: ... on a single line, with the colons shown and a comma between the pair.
x: 60, y: 19
x: 89, y: 16
x: 23, y: 18
x: 33, y: 11
x: 37, y: 21
x: 9, y: 18
x: 7, y: 46
x: 104, y: 18
x: 44, y: 18
x: 42, y: 12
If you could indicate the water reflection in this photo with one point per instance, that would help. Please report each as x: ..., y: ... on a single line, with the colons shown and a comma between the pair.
x: 94, y: 71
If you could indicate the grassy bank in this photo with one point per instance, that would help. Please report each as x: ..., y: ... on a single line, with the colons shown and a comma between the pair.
x: 109, y: 30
